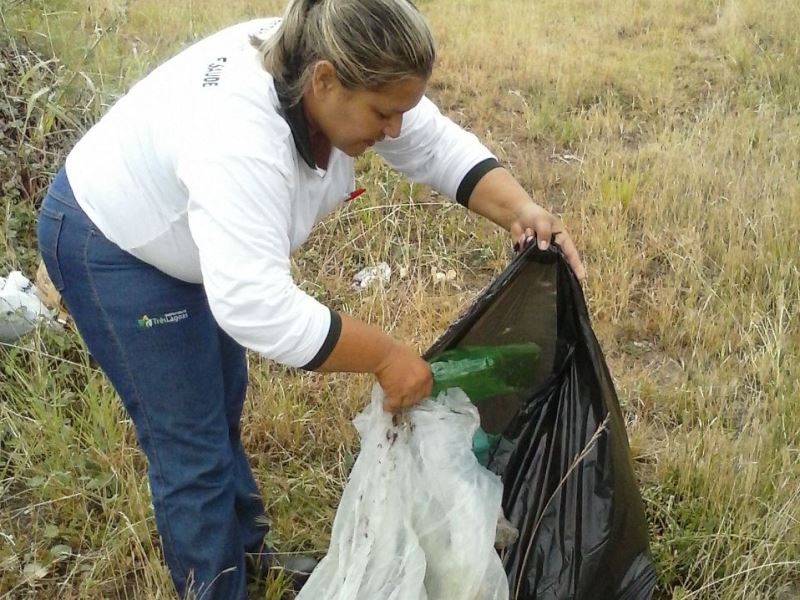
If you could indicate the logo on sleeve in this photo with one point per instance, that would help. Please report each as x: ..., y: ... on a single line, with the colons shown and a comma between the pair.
x: 214, y: 72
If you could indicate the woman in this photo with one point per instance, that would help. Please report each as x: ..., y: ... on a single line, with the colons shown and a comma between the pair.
x: 170, y: 229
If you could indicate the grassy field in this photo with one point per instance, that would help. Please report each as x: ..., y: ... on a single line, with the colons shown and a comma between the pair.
x: 667, y: 134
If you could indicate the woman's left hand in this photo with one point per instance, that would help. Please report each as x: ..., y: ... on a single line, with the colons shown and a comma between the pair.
x: 535, y: 223
x: 501, y: 199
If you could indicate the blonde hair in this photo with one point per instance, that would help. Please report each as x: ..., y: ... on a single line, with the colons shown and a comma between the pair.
x: 369, y: 42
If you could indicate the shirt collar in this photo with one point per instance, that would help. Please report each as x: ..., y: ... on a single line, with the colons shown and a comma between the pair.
x: 298, y: 124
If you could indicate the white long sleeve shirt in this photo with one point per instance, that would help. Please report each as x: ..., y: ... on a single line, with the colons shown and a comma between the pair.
x: 197, y: 172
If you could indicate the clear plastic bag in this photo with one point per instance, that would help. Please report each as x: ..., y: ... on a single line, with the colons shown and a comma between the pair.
x: 418, y: 517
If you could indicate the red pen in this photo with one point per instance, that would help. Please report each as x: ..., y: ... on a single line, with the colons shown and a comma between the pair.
x: 354, y: 194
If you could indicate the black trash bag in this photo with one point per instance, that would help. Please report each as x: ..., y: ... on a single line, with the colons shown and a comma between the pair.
x: 562, y: 449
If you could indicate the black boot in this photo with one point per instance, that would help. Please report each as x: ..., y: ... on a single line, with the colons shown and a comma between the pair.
x: 296, y: 568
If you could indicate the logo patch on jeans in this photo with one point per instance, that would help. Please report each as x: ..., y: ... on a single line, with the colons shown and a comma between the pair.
x: 146, y: 322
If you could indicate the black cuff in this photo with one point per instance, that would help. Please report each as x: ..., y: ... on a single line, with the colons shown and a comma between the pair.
x: 472, y: 178
x: 327, y: 346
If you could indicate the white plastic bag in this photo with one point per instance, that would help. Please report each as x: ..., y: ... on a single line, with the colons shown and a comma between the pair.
x: 418, y: 516
x: 380, y: 273
x: 20, y: 307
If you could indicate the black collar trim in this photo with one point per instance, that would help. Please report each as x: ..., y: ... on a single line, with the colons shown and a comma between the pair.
x: 296, y: 119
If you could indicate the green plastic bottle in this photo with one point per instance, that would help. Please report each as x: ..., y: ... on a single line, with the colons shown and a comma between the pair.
x: 483, y: 372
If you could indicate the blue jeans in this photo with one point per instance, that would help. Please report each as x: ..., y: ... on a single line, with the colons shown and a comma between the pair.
x: 181, y: 379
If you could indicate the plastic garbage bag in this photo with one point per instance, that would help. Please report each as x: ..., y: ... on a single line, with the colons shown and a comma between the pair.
x: 418, y: 517
x: 562, y: 450
x: 20, y: 307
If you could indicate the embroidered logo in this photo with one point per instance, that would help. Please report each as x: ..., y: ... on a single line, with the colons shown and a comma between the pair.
x: 146, y: 322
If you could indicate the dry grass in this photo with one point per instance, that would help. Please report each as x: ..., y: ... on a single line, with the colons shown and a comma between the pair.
x: 664, y: 132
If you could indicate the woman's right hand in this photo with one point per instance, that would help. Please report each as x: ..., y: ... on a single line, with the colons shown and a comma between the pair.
x: 405, y: 377
x: 362, y: 348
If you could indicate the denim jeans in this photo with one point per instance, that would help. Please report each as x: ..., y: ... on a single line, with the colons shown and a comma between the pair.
x: 181, y: 379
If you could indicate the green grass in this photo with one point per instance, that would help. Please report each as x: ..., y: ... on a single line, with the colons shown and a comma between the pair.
x: 666, y: 135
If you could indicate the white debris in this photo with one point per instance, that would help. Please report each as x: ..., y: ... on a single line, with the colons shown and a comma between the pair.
x: 505, y: 534
x: 440, y: 277
x: 20, y: 307
x: 380, y: 273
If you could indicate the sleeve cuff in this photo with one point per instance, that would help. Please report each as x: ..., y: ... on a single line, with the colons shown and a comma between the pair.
x: 327, y: 346
x: 472, y: 178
